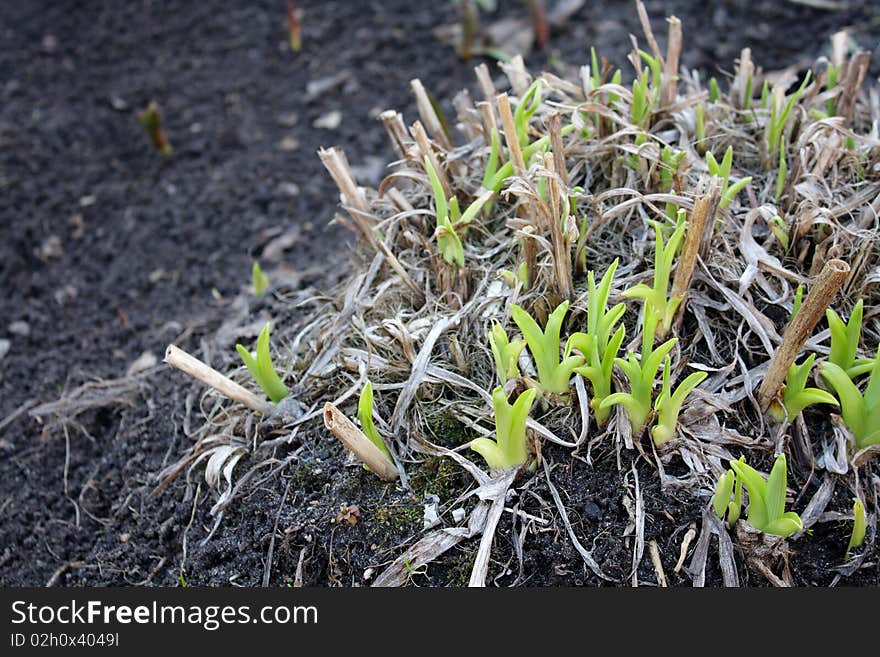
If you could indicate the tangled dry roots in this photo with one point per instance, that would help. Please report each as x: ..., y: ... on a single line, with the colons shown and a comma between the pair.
x: 416, y: 326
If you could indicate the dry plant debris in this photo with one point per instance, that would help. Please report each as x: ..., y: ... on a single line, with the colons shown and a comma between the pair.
x: 564, y: 181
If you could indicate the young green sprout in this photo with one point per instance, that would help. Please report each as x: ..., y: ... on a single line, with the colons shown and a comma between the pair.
x: 659, y: 308
x: 365, y: 415
x: 528, y: 105
x: 796, y: 396
x: 640, y: 374
x: 553, y: 375
x: 597, y: 345
x: 860, y: 524
x: 728, y: 191
x: 642, y: 101
x: 505, y: 353
x: 151, y: 120
x: 668, y: 403
x: 780, y: 112
x: 259, y: 280
x: 450, y: 220
x: 714, y: 91
x: 845, y: 341
x: 798, y: 301
x: 261, y: 367
x: 722, y: 504
x: 510, y: 447
x: 779, y: 229
x: 767, y: 498
x: 861, y: 413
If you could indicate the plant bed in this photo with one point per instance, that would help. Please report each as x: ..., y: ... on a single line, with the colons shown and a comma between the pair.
x: 306, y: 533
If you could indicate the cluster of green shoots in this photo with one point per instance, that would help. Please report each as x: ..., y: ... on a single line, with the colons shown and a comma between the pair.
x: 450, y: 220
x: 722, y: 171
x: 262, y: 369
x: 766, y: 498
x: 510, y: 447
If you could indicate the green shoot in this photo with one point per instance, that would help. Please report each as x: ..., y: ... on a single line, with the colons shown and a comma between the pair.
x: 662, y: 308
x: 527, y: 107
x: 845, y: 341
x: 767, y: 498
x: 151, y: 120
x: 259, y: 280
x: 832, y: 75
x: 796, y: 396
x: 780, y: 112
x: 553, y: 375
x: 798, y: 301
x: 722, y: 504
x: 779, y: 229
x: 668, y: 404
x: 597, y: 345
x: 860, y: 524
x: 510, y: 448
x: 642, y: 102
x: 782, y: 175
x: 505, y: 353
x: 714, y: 91
x: 860, y: 413
x: 450, y: 220
x: 261, y: 367
x: 640, y: 375
x: 728, y: 191
x: 365, y: 415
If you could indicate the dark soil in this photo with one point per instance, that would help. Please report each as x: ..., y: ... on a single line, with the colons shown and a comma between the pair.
x: 108, y: 250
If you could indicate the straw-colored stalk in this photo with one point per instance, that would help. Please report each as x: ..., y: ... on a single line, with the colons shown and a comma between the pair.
x: 509, y: 127
x: 557, y: 218
x: 425, y: 149
x: 428, y: 114
x: 851, y: 84
x: 699, y: 231
x: 189, y: 364
x: 396, y: 129
x: 357, y: 442
x: 673, y: 56
x: 800, y: 328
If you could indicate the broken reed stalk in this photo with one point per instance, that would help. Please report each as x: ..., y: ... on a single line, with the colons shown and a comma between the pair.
x: 673, y: 56
x: 509, y: 127
x: 357, y: 442
x: 394, y: 126
x: 189, y: 364
x: 426, y: 150
x: 852, y: 84
x: 428, y: 114
x: 699, y: 227
x: 743, y: 82
x: 335, y: 162
x: 800, y: 328
x: 555, y: 129
x: 558, y: 221
x: 487, y: 87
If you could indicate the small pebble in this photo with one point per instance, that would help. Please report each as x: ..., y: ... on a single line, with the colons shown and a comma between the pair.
x: 20, y: 328
x: 4, y: 347
x: 328, y: 121
x: 592, y: 511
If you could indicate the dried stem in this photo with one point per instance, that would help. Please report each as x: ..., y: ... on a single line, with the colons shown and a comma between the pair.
x: 191, y: 365
x: 673, y: 56
x: 424, y: 144
x: 516, y: 156
x: 393, y: 122
x: 355, y: 440
x: 800, y: 328
x: 851, y: 84
x: 429, y: 115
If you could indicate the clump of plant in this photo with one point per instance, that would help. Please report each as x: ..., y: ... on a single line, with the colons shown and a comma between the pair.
x: 450, y: 220
x: 668, y: 404
x: 766, y: 511
x: 151, y: 120
x: 505, y: 353
x: 510, y: 448
x: 365, y: 415
x: 659, y: 308
x: 796, y: 396
x: 861, y: 413
x: 722, y: 171
x: 597, y: 345
x: 544, y: 346
x: 845, y: 341
x: 262, y: 369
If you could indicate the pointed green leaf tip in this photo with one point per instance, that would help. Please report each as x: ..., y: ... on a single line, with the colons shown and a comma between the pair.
x: 860, y: 524
x: 509, y: 449
x: 261, y: 367
x: 259, y: 280
x: 365, y: 415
